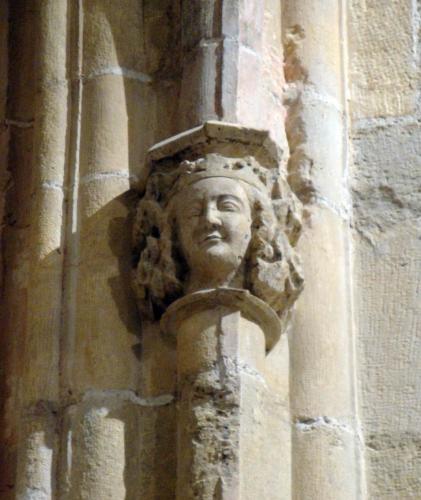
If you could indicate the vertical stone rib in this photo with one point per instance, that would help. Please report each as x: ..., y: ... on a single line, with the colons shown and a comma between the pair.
x: 72, y: 187
x: 221, y: 47
x: 325, y: 433
x: 40, y: 355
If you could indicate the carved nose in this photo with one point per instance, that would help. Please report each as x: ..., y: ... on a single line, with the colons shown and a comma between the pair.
x: 211, y: 217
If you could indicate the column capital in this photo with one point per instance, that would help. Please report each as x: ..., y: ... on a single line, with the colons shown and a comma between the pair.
x: 234, y: 299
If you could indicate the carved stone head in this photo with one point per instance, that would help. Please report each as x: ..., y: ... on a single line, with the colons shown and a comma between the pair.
x: 216, y: 212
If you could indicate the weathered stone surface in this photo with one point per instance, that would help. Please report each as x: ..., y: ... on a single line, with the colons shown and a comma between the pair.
x: 221, y: 333
x: 219, y: 420
x: 387, y: 252
x: 383, y: 61
x: 146, y: 71
x: 138, y: 39
x: 105, y: 324
x: 388, y: 319
x: 118, y: 445
x: 386, y: 172
x: 158, y: 367
x: 217, y: 212
x: 387, y: 258
x: 38, y: 453
x: 321, y: 362
x: 112, y: 38
x: 317, y: 163
x: 330, y: 441
x: 319, y: 340
x: 312, y: 35
x: 115, y: 111
x: 17, y: 91
x: 42, y: 211
x: 272, y: 111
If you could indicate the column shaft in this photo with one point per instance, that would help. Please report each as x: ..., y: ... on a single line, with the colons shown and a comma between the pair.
x: 39, y: 354
x: 325, y: 435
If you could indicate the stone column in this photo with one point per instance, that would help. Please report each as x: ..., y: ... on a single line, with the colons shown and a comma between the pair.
x: 38, y: 351
x: 221, y: 51
x: 222, y: 336
x: 215, y: 225
x: 323, y: 406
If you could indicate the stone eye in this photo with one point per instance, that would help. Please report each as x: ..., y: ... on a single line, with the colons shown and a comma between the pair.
x: 228, y: 206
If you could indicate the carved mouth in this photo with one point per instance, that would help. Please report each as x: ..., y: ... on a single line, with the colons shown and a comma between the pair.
x: 212, y: 237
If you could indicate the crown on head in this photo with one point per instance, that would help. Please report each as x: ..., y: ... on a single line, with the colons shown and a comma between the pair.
x: 215, y: 149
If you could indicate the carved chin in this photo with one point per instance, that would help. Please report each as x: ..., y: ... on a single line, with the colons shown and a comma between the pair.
x: 214, y: 247
x: 216, y: 258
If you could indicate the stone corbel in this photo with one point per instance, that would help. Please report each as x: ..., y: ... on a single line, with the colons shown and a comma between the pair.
x: 214, y: 238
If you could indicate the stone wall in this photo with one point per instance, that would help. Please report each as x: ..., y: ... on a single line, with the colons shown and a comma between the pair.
x: 88, y: 387
x: 385, y: 141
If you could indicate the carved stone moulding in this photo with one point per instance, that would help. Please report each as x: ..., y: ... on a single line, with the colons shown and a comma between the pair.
x: 250, y: 307
x: 217, y: 212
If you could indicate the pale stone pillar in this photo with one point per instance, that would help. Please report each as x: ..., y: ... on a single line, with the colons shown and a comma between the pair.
x: 215, y: 223
x: 38, y: 353
x: 222, y: 336
x: 99, y: 367
x: 325, y: 461
x: 221, y: 51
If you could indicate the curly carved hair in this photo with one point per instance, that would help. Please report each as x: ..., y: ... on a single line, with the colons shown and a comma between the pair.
x: 272, y: 269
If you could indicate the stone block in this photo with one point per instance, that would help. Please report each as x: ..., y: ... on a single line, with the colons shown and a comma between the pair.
x: 316, y: 142
x: 157, y: 356
x: 276, y: 368
x: 52, y: 38
x: 43, y: 298
x: 138, y: 37
x: 106, y: 320
x: 388, y: 319
x: 113, y: 37
x: 328, y: 471
x: 248, y: 99
x: 319, y: 342
x: 254, y: 480
x: 199, y: 100
x: 116, y: 448
x: 394, y: 462
x: 37, y: 453
x: 201, y: 22
x: 272, y: 113
x: 115, y: 113
x: 162, y: 38
x: 198, y: 352
x: 312, y: 43
x: 250, y: 22
x: 50, y: 137
x: 383, y: 65
x: 386, y: 263
x: 386, y: 171
x: 276, y: 461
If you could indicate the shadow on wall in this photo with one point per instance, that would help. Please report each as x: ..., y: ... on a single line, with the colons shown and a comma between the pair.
x: 120, y: 243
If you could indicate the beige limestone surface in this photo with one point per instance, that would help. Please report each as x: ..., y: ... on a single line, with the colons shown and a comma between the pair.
x: 88, y: 389
x: 384, y: 62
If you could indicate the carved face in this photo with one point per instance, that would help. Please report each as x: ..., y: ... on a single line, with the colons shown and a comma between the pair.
x: 214, y: 229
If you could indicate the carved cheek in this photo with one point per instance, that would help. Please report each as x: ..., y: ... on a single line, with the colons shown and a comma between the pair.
x: 238, y: 227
